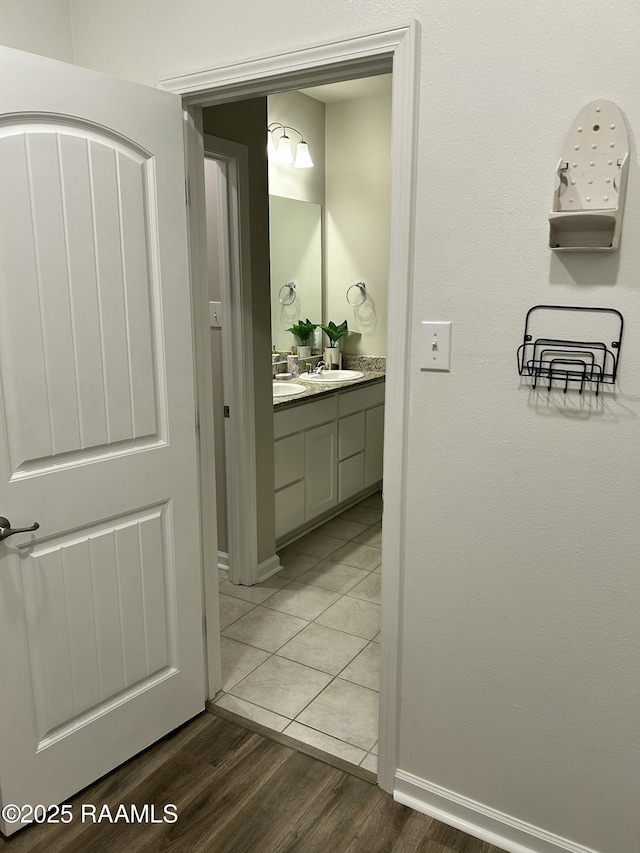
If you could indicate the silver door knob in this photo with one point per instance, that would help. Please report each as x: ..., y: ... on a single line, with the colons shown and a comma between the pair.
x: 7, y: 530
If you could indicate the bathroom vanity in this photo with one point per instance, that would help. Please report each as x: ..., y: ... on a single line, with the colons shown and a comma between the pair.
x: 328, y: 452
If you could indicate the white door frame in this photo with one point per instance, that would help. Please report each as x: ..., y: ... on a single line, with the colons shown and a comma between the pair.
x: 237, y: 357
x: 395, y: 50
x: 197, y: 230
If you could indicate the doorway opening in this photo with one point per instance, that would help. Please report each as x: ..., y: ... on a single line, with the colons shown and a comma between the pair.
x: 391, y: 51
x: 300, y: 651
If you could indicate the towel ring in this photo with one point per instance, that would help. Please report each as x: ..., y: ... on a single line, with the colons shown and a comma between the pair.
x: 291, y: 285
x: 362, y: 287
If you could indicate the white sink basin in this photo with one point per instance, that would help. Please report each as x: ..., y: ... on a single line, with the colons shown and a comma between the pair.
x: 332, y: 376
x: 287, y: 389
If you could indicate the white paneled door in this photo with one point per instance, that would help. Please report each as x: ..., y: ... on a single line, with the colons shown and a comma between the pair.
x: 101, y: 648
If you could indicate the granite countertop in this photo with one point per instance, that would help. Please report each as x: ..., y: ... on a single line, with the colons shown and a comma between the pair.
x: 317, y: 389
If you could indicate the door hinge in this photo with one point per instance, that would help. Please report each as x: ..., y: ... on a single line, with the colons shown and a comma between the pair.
x: 226, y: 411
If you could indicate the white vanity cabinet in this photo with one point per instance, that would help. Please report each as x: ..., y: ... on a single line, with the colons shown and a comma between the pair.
x: 374, y: 443
x: 351, y: 434
x: 327, y: 451
x: 289, y: 482
x: 320, y: 481
x: 361, y: 437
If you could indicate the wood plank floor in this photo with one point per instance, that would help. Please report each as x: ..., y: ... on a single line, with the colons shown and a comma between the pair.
x: 237, y: 791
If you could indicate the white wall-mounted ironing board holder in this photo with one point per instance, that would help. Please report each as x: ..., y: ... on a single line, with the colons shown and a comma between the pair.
x: 591, y: 178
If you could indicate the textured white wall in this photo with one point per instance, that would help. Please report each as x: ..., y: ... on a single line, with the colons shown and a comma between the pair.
x: 357, y: 221
x: 520, y: 625
x: 39, y: 26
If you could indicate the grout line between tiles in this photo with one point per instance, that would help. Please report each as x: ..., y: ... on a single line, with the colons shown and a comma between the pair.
x: 255, y: 667
x: 315, y: 668
x: 297, y: 720
x: 309, y: 622
x: 236, y: 620
x: 339, y: 674
x: 311, y: 586
x: 360, y: 763
x: 309, y: 666
x: 333, y: 737
x: 262, y: 708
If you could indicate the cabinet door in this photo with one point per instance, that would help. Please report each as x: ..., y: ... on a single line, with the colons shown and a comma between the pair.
x: 350, y: 477
x: 289, y: 460
x: 374, y: 443
x: 321, y: 469
x: 350, y: 435
x: 289, y: 509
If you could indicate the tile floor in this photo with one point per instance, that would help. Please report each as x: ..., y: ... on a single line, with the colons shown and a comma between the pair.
x: 300, y: 652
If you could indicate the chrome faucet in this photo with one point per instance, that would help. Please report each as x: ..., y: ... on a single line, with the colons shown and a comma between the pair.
x: 320, y: 366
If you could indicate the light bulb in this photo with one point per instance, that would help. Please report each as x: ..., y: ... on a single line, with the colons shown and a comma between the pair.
x: 284, y: 153
x: 303, y: 158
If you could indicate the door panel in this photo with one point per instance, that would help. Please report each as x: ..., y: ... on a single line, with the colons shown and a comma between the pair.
x: 97, y: 604
x: 101, y: 647
x: 76, y: 230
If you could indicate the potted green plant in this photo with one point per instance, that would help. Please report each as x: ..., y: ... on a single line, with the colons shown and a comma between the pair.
x: 334, y: 333
x: 303, y: 331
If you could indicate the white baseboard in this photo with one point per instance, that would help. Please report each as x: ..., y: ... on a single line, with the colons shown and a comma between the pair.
x: 268, y: 567
x: 265, y: 569
x: 502, y: 830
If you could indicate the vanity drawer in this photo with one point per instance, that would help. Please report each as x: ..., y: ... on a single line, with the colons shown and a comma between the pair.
x: 289, y: 459
x: 360, y: 398
x: 305, y: 416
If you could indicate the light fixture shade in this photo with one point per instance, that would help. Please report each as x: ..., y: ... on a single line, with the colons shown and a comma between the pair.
x: 303, y: 158
x: 272, y: 151
x: 284, y: 153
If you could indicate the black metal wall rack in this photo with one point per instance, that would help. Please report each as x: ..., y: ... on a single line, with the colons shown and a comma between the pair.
x: 588, y: 359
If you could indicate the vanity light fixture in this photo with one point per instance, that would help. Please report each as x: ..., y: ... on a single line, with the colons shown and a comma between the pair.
x: 281, y: 151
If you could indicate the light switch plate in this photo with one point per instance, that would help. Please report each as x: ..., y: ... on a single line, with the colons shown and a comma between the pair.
x: 215, y: 315
x: 436, y: 345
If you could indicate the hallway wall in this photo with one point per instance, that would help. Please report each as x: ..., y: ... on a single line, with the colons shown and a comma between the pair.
x: 520, y: 577
x: 39, y: 26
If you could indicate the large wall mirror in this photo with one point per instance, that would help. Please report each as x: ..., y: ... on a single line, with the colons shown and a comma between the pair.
x: 295, y: 234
